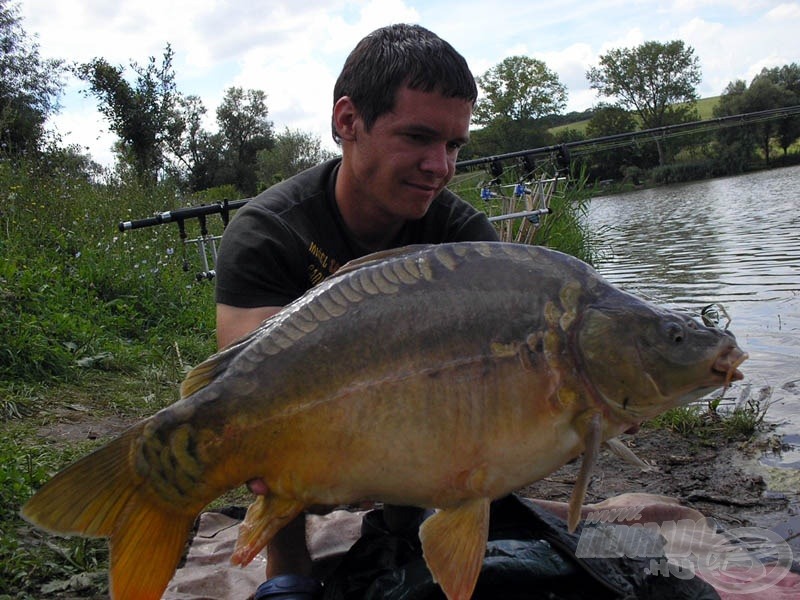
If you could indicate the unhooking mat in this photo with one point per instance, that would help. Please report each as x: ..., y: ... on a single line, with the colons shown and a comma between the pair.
x: 530, y: 555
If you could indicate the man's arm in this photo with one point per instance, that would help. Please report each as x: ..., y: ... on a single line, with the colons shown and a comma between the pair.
x: 288, y: 551
x: 234, y: 322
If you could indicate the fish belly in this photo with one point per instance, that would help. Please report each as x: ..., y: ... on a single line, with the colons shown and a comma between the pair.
x: 423, y: 440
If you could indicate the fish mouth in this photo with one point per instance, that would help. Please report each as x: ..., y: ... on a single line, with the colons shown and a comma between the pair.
x: 726, y: 365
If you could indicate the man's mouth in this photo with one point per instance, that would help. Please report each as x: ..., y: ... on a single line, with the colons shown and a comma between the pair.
x: 423, y: 187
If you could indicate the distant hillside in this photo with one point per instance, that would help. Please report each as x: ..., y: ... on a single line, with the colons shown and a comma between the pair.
x: 705, y: 106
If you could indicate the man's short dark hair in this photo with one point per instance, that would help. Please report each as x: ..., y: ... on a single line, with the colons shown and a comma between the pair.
x: 396, y: 56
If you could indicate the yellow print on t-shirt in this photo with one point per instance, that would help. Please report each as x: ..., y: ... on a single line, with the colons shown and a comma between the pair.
x: 324, y: 266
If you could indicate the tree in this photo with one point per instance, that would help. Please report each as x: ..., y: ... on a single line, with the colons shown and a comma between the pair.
x: 504, y: 135
x: 517, y: 89
x: 245, y: 129
x: 143, y: 115
x: 29, y: 86
x: 770, y: 89
x: 655, y: 80
x: 294, y: 151
x: 735, y: 145
x: 784, y: 83
x: 611, y: 119
x: 764, y: 94
x: 195, y: 155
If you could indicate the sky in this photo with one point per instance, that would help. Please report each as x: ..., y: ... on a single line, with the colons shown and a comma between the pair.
x: 293, y: 50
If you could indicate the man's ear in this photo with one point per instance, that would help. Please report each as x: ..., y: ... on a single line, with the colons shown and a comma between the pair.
x: 345, y: 118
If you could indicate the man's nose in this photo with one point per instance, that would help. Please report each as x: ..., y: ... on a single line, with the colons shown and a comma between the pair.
x: 437, y: 160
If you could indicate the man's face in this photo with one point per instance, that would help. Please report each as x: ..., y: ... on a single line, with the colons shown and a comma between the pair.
x: 400, y: 165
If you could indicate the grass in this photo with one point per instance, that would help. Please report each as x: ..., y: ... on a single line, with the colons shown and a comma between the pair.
x: 708, y: 420
x: 94, y: 324
x: 32, y: 560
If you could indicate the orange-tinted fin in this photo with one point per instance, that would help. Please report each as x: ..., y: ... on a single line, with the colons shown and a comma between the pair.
x: 454, y: 544
x: 201, y: 375
x: 101, y: 496
x: 87, y: 497
x: 265, y: 517
x: 204, y: 373
x: 146, y: 551
x: 592, y: 440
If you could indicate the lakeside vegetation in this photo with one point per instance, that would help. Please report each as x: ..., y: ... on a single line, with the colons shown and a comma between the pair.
x: 93, y: 323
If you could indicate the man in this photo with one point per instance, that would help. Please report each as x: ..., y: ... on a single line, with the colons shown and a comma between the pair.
x: 401, y: 112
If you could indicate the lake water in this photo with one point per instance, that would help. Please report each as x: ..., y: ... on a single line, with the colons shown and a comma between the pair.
x: 733, y: 241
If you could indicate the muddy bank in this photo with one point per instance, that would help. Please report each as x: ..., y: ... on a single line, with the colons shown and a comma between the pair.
x: 721, y: 478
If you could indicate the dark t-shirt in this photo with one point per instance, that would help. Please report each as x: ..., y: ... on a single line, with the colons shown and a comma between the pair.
x: 292, y: 236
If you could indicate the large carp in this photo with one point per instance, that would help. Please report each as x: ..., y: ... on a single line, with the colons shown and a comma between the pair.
x: 438, y: 376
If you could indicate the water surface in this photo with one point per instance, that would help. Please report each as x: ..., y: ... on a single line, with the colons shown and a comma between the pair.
x: 733, y: 241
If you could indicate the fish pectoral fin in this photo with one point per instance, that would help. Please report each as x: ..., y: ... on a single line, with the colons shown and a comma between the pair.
x: 265, y: 517
x: 592, y: 438
x: 454, y: 544
x: 628, y: 455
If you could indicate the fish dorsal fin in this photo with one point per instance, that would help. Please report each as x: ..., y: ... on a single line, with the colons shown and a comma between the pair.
x: 379, y: 256
x: 454, y: 544
x: 593, y: 438
x: 201, y: 375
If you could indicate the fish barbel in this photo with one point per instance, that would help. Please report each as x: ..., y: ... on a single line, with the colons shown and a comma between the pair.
x: 438, y: 376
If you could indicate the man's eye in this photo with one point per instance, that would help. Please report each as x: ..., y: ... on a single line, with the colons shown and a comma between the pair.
x: 417, y: 137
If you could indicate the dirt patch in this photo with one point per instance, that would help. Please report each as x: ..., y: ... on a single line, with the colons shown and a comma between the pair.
x: 75, y: 423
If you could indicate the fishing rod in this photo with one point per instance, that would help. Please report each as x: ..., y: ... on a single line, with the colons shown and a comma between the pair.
x: 205, y: 242
x: 181, y: 214
x: 579, y: 147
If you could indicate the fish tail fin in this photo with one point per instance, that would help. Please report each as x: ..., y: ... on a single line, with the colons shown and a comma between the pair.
x: 101, y: 496
x: 146, y: 552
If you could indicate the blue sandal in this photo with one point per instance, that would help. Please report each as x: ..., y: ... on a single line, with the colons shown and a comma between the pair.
x: 289, y: 587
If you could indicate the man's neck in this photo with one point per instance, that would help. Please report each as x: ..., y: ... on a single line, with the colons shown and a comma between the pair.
x: 368, y: 226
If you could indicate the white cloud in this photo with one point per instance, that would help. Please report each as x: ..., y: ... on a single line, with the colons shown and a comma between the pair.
x: 782, y: 12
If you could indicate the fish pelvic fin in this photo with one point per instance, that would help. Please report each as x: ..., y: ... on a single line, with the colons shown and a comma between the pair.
x: 454, y: 544
x: 593, y: 438
x: 101, y: 496
x: 265, y: 517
